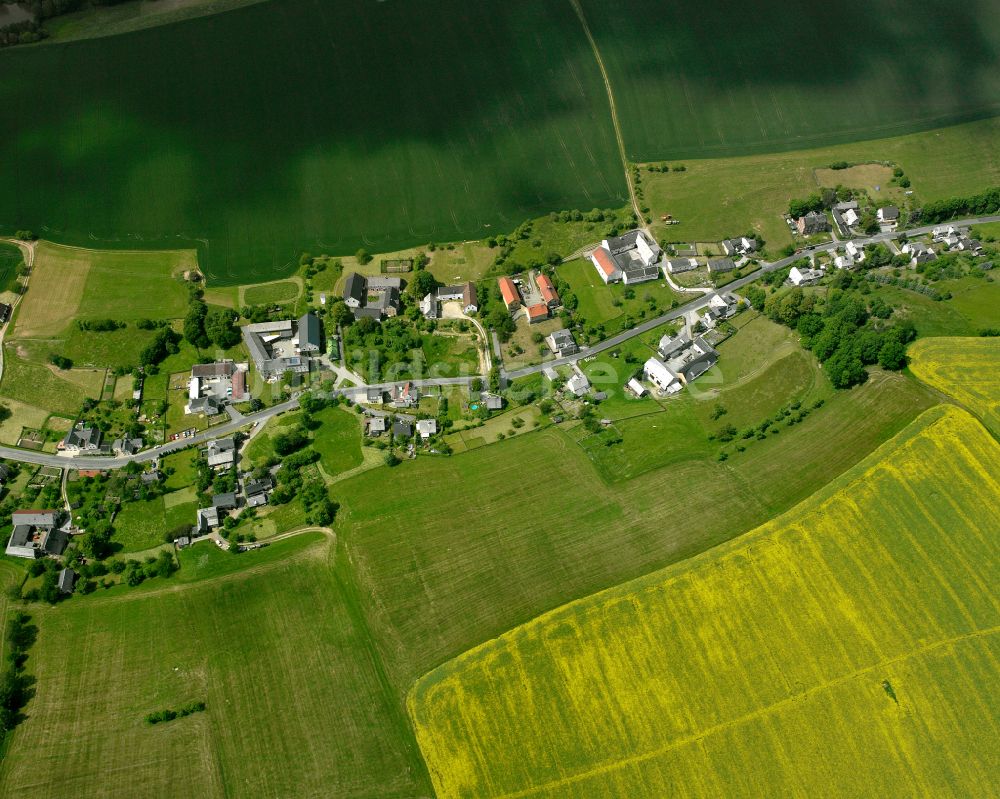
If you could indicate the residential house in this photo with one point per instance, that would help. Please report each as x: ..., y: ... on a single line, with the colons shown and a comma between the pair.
x: 206, y: 519
x: 661, y: 376
x: 377, y: 425
x: 405, y: 395
x: 427, y: 428
x: 310, y: 334
x: 221, y: 452
x: 470, y: 298
x: 537, y: 313
x: 509, y: 292
x: 126, y: 446
x: 430, y: 307
x: 973, y: 246
x: 561, y: 343
x: 449, y: 293
x: 374, y: 396
x: 720, y: 306
x: 5, y: 312
x: 888, y: 216
x: 355, y: 290
x: 253, y: 488
x: 851, y: 217
x: 671, y: 345
x: 493, y: 402
x: 208, y: 406
x: 718, y: 266
x: 67, y: 581
x: 225, y: 502
x: 811, y: 223
x: 804, y: 276
x: 549, y: 295
x: 152, y: 476
x: 403, y: 429
x: 677, y: 265
x: 35, y: 534
x: 578, y: 384
x: 82, y: 439
x: 856, y: 252
x: 632, y: 258
x: 919, y: 252
x: 946, y: 231
x: 741, y: 246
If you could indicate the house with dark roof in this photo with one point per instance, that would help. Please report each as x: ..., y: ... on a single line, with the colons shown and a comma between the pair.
x: 225, y: 502
x: 5, y: 312
x: 82, y: 439
x: 470, y: 298
x: 888, y: 216
x: 401, y: 428
x: 126, y: 446
x: 310, y: 333
x: 718, y: 266
x: 221, y: 452
x: 355, y: 290
x: 677, y: 265
x: 67, y: 581
x: 740, y: 246
x: 561, y: 343
x: 35, y: 534
x: 207, y: 371
x: 812, y: 222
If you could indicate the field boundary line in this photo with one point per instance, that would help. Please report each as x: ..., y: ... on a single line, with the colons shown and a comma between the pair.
x: 614, y: 109
x: 761, y: 713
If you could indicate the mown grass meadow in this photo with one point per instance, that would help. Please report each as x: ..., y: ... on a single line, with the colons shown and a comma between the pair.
x: 836, y: 650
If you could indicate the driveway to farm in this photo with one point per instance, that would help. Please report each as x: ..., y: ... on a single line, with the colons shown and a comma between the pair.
x: 700, y: 302
x: 29, y: 259
x: 453, y: 310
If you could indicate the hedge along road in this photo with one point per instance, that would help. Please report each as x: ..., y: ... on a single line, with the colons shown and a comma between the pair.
x: 90, y: 462
x: 700, y: 302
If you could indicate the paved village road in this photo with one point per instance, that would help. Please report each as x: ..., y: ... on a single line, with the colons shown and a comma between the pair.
x: 701, y: 302
x: 147, y: 456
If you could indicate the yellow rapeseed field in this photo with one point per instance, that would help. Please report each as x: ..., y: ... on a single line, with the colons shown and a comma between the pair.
x: 847, y: 648
x: 967, y: 369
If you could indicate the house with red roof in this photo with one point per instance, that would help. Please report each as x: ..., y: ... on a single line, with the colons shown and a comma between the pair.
x: 606, y: 265
x: 537, y: 313
x: 509, y: 293
x: 549, y: 295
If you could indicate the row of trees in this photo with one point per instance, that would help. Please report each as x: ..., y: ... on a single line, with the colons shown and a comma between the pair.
x: 983, y: 204
x: 15, y: 685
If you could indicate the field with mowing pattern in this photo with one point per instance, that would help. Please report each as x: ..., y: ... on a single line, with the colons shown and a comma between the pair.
x: 272, y: 644
x: 10, y: 259
x: 719, y: 197
x: 446, y: 142
x: 427, y: 538
x: 967, y: 369
x: 844, y: 649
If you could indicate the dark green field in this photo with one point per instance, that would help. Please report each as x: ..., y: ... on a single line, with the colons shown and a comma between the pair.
x: 696, y: 80
x: 10, y: 260
x: 307, y: 125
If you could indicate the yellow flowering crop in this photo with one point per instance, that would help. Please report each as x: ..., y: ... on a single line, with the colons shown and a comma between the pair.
x: 967, y: 369
x: 847, y: 648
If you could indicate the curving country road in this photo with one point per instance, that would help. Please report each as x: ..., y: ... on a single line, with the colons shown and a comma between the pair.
x: 238, y: 421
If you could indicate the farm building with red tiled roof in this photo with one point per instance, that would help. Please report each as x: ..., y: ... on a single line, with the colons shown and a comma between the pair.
x: 549, y: 295
x: 538, y: 313
x: 509, y: 293
x: 606, y: 266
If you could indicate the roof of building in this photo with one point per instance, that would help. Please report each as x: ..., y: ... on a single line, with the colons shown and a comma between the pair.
x: 721, y: 265
x: 381, y: 283
x: 82, y: 437
x: 204, y: 404
x: 561, y: 337
x: 427, y: 427
x: 538, y: 311
x: 224, y: 501
x: 217, y: 369
x: 67, y: 577
x: 493, y: 402
x: 251, y: 487
x: 546, y: 288
x: 310, y: 334
x: 469, y: 294
x: 377, y: 424
x: 355, y: 287
x: 372, y: 312
x: 34, y: 518
x: 889, y: 212
x: 625, y: 242
x: 636, y: 271
x: 402, y: 428
x: 450, y: 291
x: 508, y: 291
x: 578, y: 384
x: 605, y: 262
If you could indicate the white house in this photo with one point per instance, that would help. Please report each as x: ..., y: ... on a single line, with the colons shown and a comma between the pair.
x: 427, y: 428
x: 636, y: 387
x: 661, y: 376
x: 855, y: 251
x: 888, y: 216
x: 804, y: 277
x: 919, y: 252
x: 851, y: 217
x: 676, y: 265
x: 578, y: 384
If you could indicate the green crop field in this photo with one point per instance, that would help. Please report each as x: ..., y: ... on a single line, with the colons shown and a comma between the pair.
x: 843, y: 649
x: 426, y: 539
x: 296, y: 704
x: 341, y: 125
x: 696, y: 80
